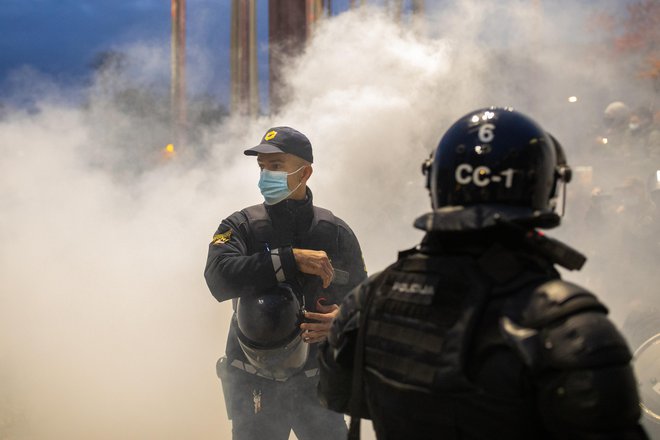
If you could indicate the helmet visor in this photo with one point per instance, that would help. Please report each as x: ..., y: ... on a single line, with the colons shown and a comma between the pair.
x: 277, y: 363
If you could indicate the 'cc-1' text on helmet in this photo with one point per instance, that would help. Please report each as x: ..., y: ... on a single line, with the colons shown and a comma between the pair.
x: 494, y: 164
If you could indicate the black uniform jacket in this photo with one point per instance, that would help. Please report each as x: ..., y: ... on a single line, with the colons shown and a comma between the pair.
x: 243, y: 258
x: 468, y: 337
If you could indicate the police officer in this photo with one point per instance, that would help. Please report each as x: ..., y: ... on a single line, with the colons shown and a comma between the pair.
x: 256, y: 256
x: 472, y: 334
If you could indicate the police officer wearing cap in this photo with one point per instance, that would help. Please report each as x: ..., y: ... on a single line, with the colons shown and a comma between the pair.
x: 472, y: 334
x: 285, y: 264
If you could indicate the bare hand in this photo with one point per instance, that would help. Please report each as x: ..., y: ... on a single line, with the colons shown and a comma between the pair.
x: 317, y: 331
x: 315, y: 263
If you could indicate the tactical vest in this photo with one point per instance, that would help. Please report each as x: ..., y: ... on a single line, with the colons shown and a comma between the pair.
x: 263, y: 237
x: 323, y: 234
x: 431, y: 320
x: 421, y: 322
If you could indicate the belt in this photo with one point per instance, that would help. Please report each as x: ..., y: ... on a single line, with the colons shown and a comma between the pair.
x: 249, y: 368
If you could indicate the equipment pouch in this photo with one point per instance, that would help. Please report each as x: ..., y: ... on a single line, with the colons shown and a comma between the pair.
x: 221, y: 368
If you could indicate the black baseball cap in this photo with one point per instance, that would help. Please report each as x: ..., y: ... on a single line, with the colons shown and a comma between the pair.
x: 284, y: 140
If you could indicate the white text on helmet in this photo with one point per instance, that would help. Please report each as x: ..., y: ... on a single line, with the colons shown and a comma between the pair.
x: 482, y: 176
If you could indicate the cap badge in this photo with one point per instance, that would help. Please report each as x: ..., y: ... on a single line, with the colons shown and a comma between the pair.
x: 270, y: 135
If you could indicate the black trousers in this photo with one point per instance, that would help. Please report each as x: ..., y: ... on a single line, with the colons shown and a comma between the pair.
x: 283, y: 406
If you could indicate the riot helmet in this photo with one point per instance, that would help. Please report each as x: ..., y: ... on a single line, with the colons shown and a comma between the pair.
x: 268, y: 328
x: 494, y: 164
x: 616, y: 115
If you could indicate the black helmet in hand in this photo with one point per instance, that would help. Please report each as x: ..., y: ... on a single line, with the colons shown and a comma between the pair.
x: 268, y: 328
x: 494, y: 164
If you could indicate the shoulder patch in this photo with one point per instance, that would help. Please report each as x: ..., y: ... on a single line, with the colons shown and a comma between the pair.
x: 222, y: 238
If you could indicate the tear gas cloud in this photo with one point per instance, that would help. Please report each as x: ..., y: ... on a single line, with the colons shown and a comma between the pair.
x: 107, y: 329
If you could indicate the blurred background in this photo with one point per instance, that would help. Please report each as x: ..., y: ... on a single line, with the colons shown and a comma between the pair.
x: 122, y: 126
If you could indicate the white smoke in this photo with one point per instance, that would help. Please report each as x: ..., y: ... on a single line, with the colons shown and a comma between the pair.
x: 107, y: 329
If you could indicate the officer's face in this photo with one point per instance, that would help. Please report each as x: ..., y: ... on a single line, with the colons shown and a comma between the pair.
x: 284, y: 162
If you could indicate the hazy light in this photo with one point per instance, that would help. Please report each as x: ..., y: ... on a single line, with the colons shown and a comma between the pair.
x: 169, y: 152
x: 572, y: 99
x: 156, y: 226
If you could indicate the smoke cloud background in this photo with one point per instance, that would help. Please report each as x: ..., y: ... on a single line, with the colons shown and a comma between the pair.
x: 107, y: 329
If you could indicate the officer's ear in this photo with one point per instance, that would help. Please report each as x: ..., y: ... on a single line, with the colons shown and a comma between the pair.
x: 306, y: 172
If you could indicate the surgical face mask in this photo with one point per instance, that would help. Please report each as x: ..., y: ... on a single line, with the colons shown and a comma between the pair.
x: 274, y: 185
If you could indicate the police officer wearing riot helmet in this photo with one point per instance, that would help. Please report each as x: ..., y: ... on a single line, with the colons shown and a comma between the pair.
x: 472, y: 334
x: 285, y: 264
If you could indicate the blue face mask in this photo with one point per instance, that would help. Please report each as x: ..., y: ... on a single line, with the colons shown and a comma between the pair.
x: 274, y: 185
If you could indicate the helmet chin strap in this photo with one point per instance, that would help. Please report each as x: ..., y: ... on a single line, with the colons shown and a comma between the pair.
x: 563, y: 172
x: 562, y: 198
x: 427, y: 165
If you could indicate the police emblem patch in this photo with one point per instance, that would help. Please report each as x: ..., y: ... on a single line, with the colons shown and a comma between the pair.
x: 221, y: 238
x: 270, y: 135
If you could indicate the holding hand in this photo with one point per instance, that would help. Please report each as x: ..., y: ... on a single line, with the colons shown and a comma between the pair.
x: 315, y: 263
x: 317, y: 331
